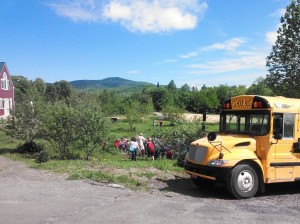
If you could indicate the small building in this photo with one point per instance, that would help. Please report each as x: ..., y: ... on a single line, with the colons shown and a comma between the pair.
x: 6, y: 91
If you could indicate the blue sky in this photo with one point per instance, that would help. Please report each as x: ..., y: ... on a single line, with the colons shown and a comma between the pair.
x: 194, y: 42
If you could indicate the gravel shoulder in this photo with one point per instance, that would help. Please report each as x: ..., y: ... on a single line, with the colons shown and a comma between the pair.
x: 34, y: 196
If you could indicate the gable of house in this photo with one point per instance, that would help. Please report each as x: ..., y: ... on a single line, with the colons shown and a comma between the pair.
x: 6, y: 91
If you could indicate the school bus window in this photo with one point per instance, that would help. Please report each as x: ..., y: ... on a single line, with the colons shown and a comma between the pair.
x: 288, y: 125
x: 256, y: 123
x: 284, y: 124
x: 277, y: 124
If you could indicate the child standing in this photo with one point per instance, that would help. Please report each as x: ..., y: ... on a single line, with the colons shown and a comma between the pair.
x: 134, y: 146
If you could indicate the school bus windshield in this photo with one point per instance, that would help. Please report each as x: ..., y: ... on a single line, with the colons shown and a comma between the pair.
x: 245, y: 122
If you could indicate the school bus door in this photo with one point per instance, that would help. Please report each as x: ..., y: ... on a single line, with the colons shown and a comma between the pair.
x: 282, y: 158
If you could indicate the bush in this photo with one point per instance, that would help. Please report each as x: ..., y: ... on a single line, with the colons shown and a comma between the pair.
x: 42, y: 157
x: 29, y: 148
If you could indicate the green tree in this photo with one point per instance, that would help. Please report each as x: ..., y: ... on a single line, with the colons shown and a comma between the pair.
x: 160, y: 98
x: 172, y: 113
x: 204, y: 100
x: 185, y: 88
x: 259, y: 87
x: 284, y: 59
x: 109, y: 101
x: 24, y: 90
x: 51, y: 94
x: 26, y: 121
x: 92, y: 130
x: 29, y: 107
x: 132, y: 112
x: 40, y: 86
x: 60, y: 128
x: 59, y: 91
x: 223, y: 93
x: 172, y: 86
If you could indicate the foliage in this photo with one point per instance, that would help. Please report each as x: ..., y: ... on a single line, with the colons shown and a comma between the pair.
x: 172, y: 86
x: 259, y: 87
x: 92, y: 130
x: 79, y: 120
x: 173, y: 114
x: 29, y: 107
x: 29, y: 148
x: 284, y: 59
x: 132, y: 113
x: 59, y: 91
x: 42, y: 157
x: 178, y: 138
x: 204, y: 100
x: 59, y: 127
x: 160, y: 97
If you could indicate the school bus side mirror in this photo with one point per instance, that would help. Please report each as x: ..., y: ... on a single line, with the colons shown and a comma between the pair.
x: 277, y: 136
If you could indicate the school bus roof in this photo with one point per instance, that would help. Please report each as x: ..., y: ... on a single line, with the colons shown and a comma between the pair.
x: 277, y: 103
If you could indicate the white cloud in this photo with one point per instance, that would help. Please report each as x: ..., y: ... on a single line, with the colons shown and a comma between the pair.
x: 271, y: 37
x: 278, y: 13
x: 78, y: 10
x: 170, y: 60
x: 228, y: 45
x: 133, y: 72
x: 230, y: 79
x: 229, y: 65
x: 154, y: 16
x: 189, y: 55
x: 147, y: 16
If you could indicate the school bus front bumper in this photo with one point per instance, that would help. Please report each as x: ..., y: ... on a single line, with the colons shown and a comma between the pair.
x: 215, y: 173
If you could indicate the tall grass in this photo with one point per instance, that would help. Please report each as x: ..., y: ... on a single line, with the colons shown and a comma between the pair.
x: 7, y: 143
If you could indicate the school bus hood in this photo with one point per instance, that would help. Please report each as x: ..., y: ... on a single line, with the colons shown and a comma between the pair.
x: 231, y: 146
x: 228, y: 142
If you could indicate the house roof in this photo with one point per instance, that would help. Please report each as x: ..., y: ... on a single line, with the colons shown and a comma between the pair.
x: 1, y: 65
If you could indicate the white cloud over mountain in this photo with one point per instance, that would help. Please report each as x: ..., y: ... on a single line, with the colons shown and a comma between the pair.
x: 146, y: 16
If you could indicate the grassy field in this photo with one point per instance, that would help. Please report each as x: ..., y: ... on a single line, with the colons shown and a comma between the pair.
x: 112, y: 167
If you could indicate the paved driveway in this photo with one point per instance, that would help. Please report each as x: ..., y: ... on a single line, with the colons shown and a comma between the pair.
x: 36, y: 197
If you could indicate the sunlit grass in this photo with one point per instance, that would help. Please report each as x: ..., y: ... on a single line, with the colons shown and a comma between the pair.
x: 101, y: 166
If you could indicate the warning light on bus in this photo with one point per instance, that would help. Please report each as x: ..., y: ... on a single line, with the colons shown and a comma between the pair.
x: 227, y: 106
x: 258, y: 104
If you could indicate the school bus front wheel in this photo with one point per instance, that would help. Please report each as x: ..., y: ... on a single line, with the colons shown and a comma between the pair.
x: 242, y: 182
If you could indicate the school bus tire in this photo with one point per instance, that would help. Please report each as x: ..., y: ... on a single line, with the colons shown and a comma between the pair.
x: 242, y: 182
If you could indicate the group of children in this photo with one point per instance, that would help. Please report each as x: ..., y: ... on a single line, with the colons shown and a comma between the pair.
x: 142, y: 147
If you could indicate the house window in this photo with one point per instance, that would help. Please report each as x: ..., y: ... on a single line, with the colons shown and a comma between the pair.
x: 5, y: 82
x: 1, y: 103
x: 10, y: 103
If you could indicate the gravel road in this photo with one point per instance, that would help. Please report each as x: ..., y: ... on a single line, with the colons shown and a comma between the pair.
x: 40, y: 197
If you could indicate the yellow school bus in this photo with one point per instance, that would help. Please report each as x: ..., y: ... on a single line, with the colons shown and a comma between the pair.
x: 258, y: 143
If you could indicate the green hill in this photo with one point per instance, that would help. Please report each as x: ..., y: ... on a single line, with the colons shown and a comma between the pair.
x: 108, y: 83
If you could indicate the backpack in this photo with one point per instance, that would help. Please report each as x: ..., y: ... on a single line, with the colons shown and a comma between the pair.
x: 150, y: 145
x: 123, y: 145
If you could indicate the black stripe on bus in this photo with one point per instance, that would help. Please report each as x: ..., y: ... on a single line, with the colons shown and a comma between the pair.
x: 285, y: 164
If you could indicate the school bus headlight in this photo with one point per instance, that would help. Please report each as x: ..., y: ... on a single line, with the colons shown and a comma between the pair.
x: 217, y: 162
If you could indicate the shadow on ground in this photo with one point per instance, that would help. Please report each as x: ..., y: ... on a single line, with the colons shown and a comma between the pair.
x: 185, y: 187
x: 6, y: 150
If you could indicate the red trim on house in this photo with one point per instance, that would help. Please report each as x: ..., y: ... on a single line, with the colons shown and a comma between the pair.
x: 6, y: 92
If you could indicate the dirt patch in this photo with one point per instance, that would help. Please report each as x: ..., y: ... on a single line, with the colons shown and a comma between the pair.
x: 210, y: 118
x: 151, y: 178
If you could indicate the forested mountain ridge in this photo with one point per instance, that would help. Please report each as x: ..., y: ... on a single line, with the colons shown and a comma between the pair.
x: 112, y: 82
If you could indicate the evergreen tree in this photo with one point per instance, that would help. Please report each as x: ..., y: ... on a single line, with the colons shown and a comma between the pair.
x: 284, y: 59
x: 172, y: 86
